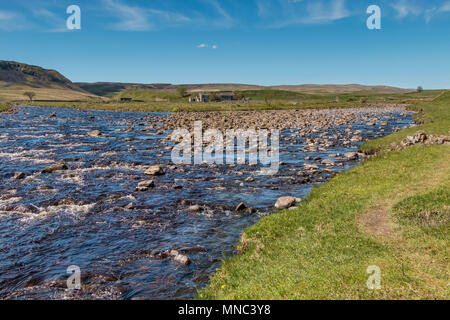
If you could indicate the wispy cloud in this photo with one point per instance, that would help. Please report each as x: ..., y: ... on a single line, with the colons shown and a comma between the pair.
x: 311, y: 12
x: 51, y: 22
x: 204, y: 45
x: 406, y: 8
x: 12, y: 21
x: 223, y: 19
x: 134, y: 18
x: 431, y: 12
x: 409, y: 8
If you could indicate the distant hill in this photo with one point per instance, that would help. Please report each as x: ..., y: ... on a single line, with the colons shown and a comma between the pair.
x: 345, y: 88
x: 109, y: 89
x: 17, y: 78
x: 12, y: 72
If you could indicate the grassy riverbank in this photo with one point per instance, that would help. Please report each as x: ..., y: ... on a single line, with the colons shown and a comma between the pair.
x: 391, y: 211
x: 5, y: 107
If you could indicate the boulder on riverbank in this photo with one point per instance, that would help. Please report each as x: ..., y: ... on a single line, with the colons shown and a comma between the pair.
x: 349, y: 156
x: 285, y: 202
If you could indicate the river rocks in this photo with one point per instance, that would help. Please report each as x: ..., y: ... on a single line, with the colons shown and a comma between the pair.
x: 285, y: 202
x: 145, y: 185
x: 19, y: 175
x: 250, y: 179
x: 328, y: 162
x: 240, y: 207
x: 94, y: 133
x: 308, y: 166
x: 356, y: 139
x: 418, y: 137
x: 154, y: 170
x: 349, y: 156
x: 55, y: 167
x: 178, y: 257
x: 194, y: 208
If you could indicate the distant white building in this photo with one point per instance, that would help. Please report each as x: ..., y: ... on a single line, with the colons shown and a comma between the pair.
x: 206, y: 97
x: 200, y: 98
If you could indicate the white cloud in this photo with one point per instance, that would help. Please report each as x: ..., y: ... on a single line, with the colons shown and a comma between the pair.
x: 214, y: 47
x: 54, y: 22
x: 202, y: 45
x: 224, y: 20
x: 12, y: 21
x: 431, y: 12
x: 133, y: 18
x: 445, y: 7
x: 317, y: 12
x: 405, y: 8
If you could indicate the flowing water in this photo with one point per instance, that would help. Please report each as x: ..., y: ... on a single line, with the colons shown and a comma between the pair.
x: 91, y: 216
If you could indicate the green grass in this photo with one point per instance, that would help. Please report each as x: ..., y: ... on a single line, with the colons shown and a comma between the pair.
x: 149, y: 95
x: 390, y: 211
x: 434, y: 116
x: 5, y: 106
x: 271, y: 94
x: 164, y: 101
x: 302, y: 101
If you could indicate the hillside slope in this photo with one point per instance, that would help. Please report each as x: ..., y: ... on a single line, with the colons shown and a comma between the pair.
x: 17, y: 78
x: 111, y: 88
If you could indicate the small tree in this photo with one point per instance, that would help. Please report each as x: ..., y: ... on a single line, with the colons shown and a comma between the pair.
x: 182, y: 92
x: 419, y: 89
x: 30, y: 95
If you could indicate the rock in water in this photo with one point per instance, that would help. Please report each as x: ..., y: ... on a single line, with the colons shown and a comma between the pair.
x: 194, y: 208
x: 241, y: 206
x: 285, y: 202
x: 154, y: 170
x: 328, y: 162
x: 145, y: 185
x: 308, y: 166
x: 351, y: 156
x: 179, y: 258
x: 182, y: 259
x: 19, y: 175
x: 55, y: 167
x: 94, y: 133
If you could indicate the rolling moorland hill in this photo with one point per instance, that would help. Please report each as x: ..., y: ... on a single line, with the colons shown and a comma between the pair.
x: 109, y: 89
x: 17, y: 78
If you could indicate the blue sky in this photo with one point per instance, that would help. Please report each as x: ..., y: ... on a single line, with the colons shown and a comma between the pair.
x: 267, y: 42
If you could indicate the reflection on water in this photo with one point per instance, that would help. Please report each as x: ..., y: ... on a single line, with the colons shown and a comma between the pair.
x: 90, y: 215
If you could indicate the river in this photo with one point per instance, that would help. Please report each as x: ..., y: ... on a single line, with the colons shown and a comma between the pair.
x: 91, y: 215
